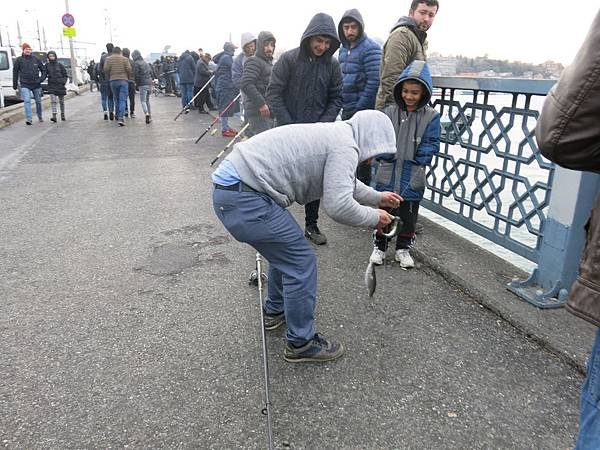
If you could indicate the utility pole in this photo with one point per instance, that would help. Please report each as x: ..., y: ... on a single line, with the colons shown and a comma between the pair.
x: 19, y: 34
x: 73, y: 62
x: 37, y: 22
x: 45, y: 41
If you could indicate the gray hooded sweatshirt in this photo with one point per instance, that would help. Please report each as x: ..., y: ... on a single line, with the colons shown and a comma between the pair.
x: 305, y: 162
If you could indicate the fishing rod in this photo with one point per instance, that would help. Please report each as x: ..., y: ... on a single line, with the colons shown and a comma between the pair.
x: 185, y: 108
x: 267, y: 409
x: 239, y: 133
x: 218, y: 117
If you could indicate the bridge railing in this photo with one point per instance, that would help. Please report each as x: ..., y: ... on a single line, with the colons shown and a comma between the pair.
x: 490, y: 178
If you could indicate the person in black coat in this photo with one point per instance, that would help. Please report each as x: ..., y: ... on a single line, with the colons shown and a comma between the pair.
x: 28, y: 75
x: 201, y: 77
x: 57, y: 79
x: 306, y: 87
x: 255, y: 79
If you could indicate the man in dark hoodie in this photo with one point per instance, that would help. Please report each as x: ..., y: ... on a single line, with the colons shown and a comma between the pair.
x: 57, y: 78
x: 306, y: 87
x: 143, y: 76
x: 255, y: 79
x: 186, y: 67
x: 359, y: 58
x: 407, y: 42
x: 224, y: 87
x: 28, y: 74
x: 202, y: 76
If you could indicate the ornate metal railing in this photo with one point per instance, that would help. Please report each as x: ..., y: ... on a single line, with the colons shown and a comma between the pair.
x: 489, y: 176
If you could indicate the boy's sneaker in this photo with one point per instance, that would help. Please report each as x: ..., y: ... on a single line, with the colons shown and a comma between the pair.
x: 403, y: 257
x: 318, y: 349
x: 377, y: 256
x: 313, y: 233
x: 273, y: 321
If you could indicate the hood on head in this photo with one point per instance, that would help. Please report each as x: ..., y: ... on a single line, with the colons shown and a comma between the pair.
x: 52, y: 52
x: 228, y: 47
x: 136, y: 55
x: 247, y: 38
x: 373, y: 132
x: 409, y: 22
x: 125, y: 52
x: 416, y: 71
x: 321, y: 25
x: 355, y: 15
x: 263, y: 37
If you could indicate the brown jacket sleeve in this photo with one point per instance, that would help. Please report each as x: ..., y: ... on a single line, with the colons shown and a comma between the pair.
x: 568, y: 130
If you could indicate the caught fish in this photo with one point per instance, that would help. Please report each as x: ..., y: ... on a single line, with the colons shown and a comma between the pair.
x: 370, y: 279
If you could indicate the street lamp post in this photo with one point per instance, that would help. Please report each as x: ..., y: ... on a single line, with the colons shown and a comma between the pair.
x: 73, y: 62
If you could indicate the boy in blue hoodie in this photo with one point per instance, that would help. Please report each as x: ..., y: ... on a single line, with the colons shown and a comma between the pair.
x: 417, y: 127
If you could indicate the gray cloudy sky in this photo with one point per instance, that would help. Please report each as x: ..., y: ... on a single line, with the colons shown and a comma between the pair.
x: 529, y: 31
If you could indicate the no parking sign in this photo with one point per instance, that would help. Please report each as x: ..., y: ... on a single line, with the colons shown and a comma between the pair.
x: 68, y: 20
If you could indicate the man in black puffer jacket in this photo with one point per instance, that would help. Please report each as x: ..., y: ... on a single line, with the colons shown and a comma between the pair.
x: 28, y: 74
x: 255, y: 79
x: 306, y: 87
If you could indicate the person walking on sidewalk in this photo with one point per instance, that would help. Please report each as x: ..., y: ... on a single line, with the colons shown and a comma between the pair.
x: 257, y: 71
x: 299, y: 163
x: 359, y: 58
x: 106, y: 97
x: 57, y: 79
x: 567, y: 133
x: 143, y: 76
x: 130, y: 87
x: 417, y: 127
x: 306, y: 87
x: 118, y: 71
x: 224, y: 87
x: 28, y: 75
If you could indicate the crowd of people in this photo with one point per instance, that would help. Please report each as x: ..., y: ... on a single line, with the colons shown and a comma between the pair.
x: 298, y: 150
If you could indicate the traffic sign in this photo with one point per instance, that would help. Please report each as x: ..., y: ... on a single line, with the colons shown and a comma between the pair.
x: 68, y: 20
x: 69, y: 32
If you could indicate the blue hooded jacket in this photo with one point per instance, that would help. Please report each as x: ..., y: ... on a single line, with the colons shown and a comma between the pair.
x: 417, y: 138
x: 186, y: 68
x: 360, y: 68
x: 224, y: 88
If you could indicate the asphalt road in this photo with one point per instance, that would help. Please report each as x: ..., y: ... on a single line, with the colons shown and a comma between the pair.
x: 126, y: 320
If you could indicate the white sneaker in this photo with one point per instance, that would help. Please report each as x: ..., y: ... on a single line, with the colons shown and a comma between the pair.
x: 404, y: 258
x: 377, y: 256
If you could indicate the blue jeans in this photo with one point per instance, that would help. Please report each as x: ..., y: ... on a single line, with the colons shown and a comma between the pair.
x: 26, y: 94
x: 145, y: 98
x: 106, y: 97
x: 257, y: 220
x: 120, y: 90
x: 187, y: 93
x: 589, y: 408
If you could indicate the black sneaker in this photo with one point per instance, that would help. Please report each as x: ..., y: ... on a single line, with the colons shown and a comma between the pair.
x: 273, y: 321
x: 111, y: 116
x: 105, y: 116
x: 313, y: 233
x: 28, y: 122
x: 147, y: 118
x: 318, y: 349
x: 121, y: 123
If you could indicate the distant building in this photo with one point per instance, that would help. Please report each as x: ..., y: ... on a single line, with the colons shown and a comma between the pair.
x: 442, y: 66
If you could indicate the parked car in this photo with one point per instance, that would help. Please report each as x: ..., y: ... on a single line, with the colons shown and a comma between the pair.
x: 7, y: 61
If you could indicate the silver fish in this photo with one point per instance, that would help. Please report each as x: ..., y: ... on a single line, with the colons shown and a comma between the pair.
x: 370, y: 279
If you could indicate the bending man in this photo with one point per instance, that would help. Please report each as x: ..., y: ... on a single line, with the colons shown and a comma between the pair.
x: 257, y: 182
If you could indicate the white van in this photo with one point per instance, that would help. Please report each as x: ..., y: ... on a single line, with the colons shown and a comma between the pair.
x: 7, y: 60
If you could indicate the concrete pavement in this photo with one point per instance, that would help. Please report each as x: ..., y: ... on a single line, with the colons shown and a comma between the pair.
x: 126, y: 319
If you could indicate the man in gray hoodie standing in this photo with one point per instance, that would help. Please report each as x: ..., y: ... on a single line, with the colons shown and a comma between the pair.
x: 301, y: 163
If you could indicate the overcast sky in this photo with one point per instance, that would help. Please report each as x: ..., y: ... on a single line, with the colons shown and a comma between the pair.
x: 524, y: 30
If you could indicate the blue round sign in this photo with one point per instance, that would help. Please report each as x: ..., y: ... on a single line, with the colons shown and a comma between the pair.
x: 68, y: 20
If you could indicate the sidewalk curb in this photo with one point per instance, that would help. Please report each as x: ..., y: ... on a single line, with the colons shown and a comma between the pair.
x: 15, y: 113
x: 484, y: 280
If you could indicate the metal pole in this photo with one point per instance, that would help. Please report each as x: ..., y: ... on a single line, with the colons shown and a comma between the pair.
x: 19, y: 34
x: 45, y: 41
x: 37, y: 22
x: 73, y: 62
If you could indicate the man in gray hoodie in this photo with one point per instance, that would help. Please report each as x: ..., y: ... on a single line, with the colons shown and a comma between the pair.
x: 300, y: 163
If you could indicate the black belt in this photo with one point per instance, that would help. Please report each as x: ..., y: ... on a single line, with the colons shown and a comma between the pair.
x: 240, y: 187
